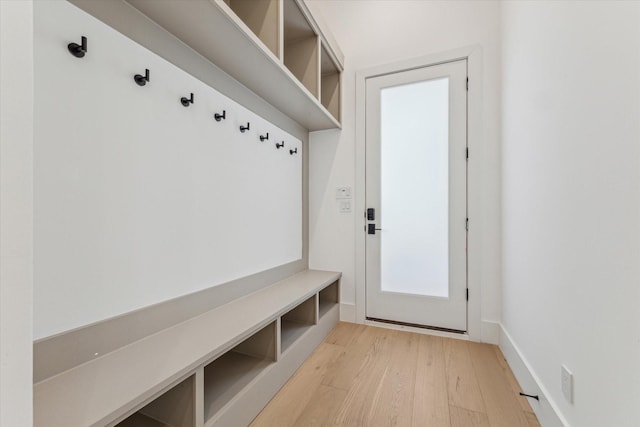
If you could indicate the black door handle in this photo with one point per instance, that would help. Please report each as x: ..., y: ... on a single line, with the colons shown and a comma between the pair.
x: 371, y: 229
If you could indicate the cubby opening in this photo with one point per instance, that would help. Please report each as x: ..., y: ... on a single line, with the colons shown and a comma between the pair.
x: 301, y: 47
x: 329, y: 84
x: 262, y: 17
x: 328, y: 298
x: 228, y: 375
x: 174, y: 408
x: 296, y: 322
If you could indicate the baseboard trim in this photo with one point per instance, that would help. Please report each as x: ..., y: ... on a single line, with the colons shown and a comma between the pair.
x: 347, y: 312
x: 545, y: 409
x: 490, y: 332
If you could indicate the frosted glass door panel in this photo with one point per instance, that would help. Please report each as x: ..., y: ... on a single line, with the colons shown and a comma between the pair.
x: 414, y: 184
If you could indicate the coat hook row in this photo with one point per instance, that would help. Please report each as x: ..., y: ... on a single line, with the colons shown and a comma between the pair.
x: 140, y: 79
x: 78, y: 50
x: 293, y: 151
x: 187, y: 101
x: 222, y: 116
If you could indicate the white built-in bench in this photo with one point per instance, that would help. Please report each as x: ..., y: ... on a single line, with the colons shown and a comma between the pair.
x: 219, y: 368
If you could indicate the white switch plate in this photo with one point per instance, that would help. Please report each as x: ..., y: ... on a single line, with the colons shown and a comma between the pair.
x: 567, y: 384
x: 345, y: 206
x: 343, y: 193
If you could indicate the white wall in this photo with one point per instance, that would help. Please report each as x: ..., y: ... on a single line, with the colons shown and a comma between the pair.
x: 571, y: 201
x: 144, y: 200
x: 16, y: 207
x: 378, y: 32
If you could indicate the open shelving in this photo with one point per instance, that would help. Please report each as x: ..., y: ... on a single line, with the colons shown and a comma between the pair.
x: 301, y: 47
x: 296, y: 322
x: 223, y: 368
x: 328, y: 298
x: 330, y: 83
x: 276, y: 48
x: 174, y: 408
x: 228, y: 375
x: 262, y: 17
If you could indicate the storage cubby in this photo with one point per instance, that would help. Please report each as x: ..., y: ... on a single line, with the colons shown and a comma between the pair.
x: 262, y: 17
x: 301, y: 47
x: 228, y: 375
x: 296, y: 322
x: 328, y: 298
x: 277, y: 41
x: 329, y: 84
x: 174, y: 408
x: 228, y: 367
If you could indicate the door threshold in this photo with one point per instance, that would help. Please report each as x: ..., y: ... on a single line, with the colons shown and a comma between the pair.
x: 415, y: 325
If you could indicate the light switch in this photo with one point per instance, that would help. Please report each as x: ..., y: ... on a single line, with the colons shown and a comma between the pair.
x: 345, y: 206
x: 343, y: 193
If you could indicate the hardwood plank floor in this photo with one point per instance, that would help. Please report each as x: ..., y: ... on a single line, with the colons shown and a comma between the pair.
x: 368, y: 376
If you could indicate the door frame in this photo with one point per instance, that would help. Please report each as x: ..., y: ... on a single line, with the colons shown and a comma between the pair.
x: 473, y: 55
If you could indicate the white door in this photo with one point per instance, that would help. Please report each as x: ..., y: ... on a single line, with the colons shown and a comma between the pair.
x: 416, y: 195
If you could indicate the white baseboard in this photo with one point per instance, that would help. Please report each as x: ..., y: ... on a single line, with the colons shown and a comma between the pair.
x: 546, y: 410
x: 490, y: 332
x: 347, y: 312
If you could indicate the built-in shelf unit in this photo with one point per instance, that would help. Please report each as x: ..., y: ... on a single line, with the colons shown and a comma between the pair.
x: 276, y: 48
x: 216, y: 369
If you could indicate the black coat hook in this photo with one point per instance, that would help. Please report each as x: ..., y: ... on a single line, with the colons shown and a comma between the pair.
x: 187, y: 101
x: 222, y: 116
x: 279, y: 145
x: 140, y: 79
x: 294, y: 151
x: 263, y: 138
x: 536, y: 397
x: 243, y: 129
x: 78, y: 50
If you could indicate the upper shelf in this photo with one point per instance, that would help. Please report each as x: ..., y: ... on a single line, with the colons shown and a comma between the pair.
x: 273, y: 47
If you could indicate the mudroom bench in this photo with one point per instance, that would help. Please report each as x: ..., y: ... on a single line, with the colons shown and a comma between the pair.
x: 216, y: 369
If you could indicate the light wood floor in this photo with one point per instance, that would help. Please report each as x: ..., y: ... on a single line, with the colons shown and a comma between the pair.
x: 367, y: 376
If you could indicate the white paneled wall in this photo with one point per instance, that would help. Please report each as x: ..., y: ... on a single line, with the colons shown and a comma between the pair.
x: 140, y: 199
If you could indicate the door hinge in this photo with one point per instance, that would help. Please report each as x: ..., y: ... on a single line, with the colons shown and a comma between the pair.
x: 467, y: 83
x: 467, y: 153
x: 467, y: 225
x: 467, y: 294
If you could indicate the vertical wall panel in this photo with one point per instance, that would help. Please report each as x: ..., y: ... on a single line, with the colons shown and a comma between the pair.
x: 138, y: 198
